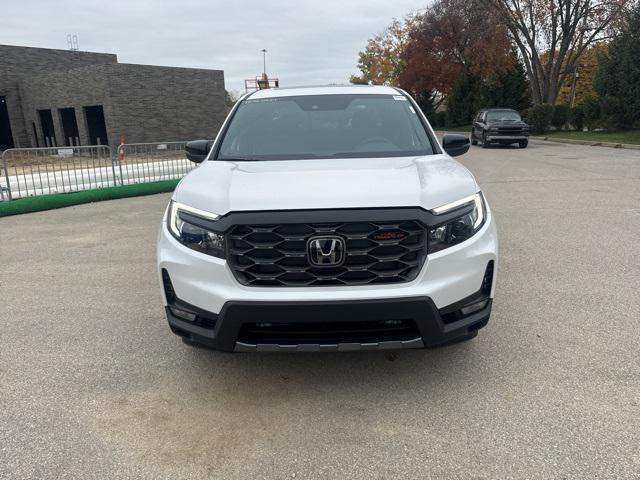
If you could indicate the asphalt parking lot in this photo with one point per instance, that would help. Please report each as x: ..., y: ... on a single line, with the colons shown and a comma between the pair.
x: 93, y: 384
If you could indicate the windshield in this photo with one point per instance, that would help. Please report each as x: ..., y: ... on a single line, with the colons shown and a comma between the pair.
x: 325, y: 126
x: 503, y: 116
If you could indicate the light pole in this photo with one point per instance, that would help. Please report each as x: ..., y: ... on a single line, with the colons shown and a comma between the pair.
x: 264, y: 61
x: 574, y: 86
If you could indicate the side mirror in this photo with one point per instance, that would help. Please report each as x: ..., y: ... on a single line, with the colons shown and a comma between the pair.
x: 455, y: 144
x: 197, y: 150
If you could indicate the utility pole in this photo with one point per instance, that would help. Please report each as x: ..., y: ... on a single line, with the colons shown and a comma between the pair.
x: 264, y: 61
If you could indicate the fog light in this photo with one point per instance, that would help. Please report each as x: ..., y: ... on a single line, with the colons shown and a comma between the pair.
x: 474, y: 307
x: 183, y: 314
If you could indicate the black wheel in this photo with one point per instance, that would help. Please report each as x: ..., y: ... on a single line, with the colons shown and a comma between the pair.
x: 473, y: 139
x: 523, y: 143
x: 485, y: 144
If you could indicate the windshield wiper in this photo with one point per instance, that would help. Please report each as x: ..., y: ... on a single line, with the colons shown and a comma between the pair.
x: 239, y: 159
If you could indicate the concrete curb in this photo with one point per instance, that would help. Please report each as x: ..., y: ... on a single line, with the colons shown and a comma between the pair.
x: 590, y: 143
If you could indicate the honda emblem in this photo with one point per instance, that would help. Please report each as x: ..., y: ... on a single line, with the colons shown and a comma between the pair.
x: 326, y: 251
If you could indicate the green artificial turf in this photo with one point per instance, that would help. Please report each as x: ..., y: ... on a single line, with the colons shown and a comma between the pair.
x: 59, y: 200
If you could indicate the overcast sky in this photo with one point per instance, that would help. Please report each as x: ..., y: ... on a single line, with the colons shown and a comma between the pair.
x: 307, y: 42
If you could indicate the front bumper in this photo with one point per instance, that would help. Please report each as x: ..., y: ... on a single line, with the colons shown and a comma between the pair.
x: 506, y: 138
x: 432, y: 328
x: 447, y: 278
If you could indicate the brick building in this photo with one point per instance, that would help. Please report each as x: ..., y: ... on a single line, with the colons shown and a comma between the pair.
x: 63, y: 97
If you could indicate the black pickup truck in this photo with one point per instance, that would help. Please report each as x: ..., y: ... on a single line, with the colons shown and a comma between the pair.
x: 499, y: 125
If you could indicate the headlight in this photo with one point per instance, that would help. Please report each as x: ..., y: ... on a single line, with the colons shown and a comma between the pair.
x: 192, y: 236
x: 460, y: 228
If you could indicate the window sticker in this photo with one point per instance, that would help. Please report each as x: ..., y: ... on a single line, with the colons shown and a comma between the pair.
x: 401, y: 98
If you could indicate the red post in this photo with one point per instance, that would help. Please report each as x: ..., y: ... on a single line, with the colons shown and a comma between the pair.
x: 121, y: 148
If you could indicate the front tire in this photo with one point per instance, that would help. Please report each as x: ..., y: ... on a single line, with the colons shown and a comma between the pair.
x: 523, y: 143
x: 473, y: 139
x: 485, y: 144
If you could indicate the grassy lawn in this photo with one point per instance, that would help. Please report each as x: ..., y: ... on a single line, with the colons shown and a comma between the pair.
x: 626, y: 136
x: 463, y: 129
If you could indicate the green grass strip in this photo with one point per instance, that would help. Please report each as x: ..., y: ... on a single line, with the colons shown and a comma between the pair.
x: 631, y: 137
x: 462, y: 129
x: 60, y: 200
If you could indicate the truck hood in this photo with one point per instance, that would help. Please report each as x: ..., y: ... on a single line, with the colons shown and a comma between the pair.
x: 221, y: 186
x: 499, y: 123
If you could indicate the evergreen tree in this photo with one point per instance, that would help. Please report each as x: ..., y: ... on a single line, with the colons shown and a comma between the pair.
x: 465, y: 100
x: 618, y: 78
x: 425, y: 101
x: 509, y: 89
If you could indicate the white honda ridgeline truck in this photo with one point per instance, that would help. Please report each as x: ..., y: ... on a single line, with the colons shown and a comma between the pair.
x: 324, y: 219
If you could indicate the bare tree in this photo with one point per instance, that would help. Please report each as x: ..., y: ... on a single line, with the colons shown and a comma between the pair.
x: 552, y: 35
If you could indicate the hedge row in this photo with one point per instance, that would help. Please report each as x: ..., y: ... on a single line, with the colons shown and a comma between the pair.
x: 562, y: 117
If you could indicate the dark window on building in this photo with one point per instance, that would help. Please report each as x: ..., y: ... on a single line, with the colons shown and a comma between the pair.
x: 6, y: 137
x: 95, y: 125
x: 69, y: 126
x: 35, y: 134
x: 48, y: 132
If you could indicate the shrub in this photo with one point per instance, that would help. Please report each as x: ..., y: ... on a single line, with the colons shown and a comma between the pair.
x: 577, y: 118
x: 560, y: 116
x: 610, y: 116
x: 592, y: 113
x: 539, y: 117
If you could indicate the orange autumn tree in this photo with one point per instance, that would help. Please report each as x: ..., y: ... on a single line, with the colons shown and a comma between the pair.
x: 380, y: 63
x: 450, y: 38
x: 579, y: 85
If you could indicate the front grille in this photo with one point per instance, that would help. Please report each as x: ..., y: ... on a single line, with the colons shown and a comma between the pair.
x: 510, y: 130
x: 328, y: 332
x: 375, y: 253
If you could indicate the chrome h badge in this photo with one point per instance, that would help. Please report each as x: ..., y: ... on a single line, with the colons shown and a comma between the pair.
x: 326, y: 251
